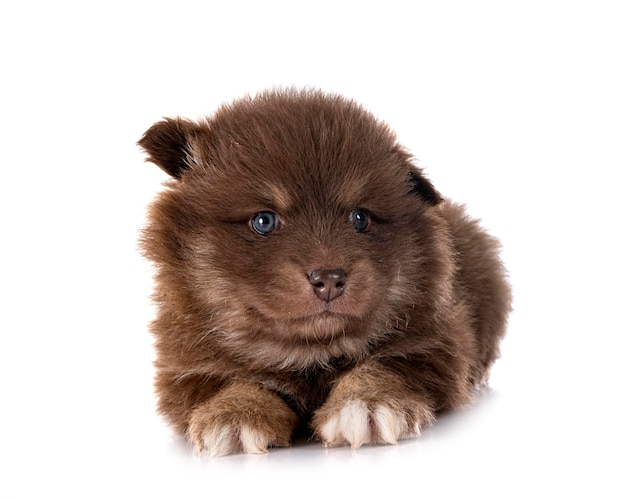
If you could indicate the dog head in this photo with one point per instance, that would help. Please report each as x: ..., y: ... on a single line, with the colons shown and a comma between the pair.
x: 292, y: 219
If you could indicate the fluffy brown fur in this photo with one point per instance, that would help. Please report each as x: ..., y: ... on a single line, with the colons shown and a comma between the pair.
x: 366, y: 304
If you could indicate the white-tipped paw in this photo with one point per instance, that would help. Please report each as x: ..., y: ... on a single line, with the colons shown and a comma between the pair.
x: 242, y: 417
x: 356, y: 423
x: 227, y: 439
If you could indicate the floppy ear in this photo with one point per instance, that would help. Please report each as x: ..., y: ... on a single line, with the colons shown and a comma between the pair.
x: 421, y: 186
x: 169, y: 144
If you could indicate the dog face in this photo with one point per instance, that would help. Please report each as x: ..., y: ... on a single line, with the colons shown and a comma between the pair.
x: 292, y: 219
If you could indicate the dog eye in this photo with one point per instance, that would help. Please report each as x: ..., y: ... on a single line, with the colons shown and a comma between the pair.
x: 264, y: 223
x: 359, y: 219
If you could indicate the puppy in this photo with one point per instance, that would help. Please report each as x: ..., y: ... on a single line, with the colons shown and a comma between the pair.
x: 310, y: 279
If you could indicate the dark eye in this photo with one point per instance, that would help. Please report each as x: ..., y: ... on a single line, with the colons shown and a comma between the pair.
x: 264, y: 223
x: 359, y: 219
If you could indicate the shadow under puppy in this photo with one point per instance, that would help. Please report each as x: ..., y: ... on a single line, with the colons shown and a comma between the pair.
x: 310, y: 278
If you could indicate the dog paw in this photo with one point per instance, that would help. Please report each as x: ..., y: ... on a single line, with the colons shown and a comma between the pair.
x: 241, y: 418
x: 358, y: 422
x: 222, y: 439
x: 372, y: 404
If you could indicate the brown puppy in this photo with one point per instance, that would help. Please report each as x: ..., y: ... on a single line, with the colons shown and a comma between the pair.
x: 310, y: 278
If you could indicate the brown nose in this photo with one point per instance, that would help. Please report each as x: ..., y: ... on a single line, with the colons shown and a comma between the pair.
x: 328, y: 284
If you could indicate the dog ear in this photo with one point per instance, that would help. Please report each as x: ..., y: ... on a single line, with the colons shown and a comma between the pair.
x: 422, y: 187
x: 170, y: 145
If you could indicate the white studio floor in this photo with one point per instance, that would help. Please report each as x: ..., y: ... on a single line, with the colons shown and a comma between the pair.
x: 517, y: 111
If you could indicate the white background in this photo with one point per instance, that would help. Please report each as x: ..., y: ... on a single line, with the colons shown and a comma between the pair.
x: 517, y: 109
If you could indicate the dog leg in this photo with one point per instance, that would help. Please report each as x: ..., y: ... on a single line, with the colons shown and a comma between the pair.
x: 371, y: 405
x: 241, y: 417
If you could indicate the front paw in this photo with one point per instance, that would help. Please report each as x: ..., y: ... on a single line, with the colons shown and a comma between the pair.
x: 241, y: 418
x: 371, y: 405
x: 358, y: 421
